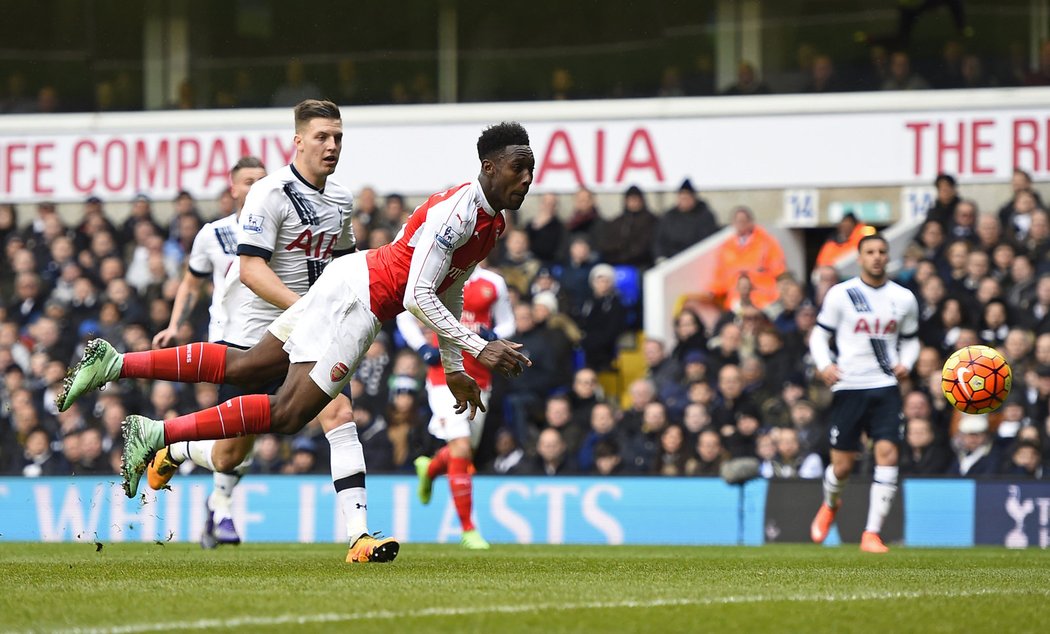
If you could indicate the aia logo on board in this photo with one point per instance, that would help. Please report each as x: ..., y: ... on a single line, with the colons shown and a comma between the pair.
x: 338, y: 372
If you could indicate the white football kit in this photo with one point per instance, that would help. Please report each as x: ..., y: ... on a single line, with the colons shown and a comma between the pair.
x: 869, y: 324
x: 296, y: 228
x: 213, y: 252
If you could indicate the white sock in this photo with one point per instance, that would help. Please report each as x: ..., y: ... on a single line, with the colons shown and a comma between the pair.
x: 200, y: 453
x: 883, y: 490
x: 348, y: 478
x: 221, y: 499
x: 832, y: 487
x: 179, y: 452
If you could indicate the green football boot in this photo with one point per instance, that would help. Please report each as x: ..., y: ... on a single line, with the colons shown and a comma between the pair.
x: 100, y: 365
x: 143, y: 437
x: 426, y: 485
x: 472, y: 540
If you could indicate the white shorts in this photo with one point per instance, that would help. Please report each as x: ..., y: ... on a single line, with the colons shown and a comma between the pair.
x: 446, y: 424
x: 332, y: 325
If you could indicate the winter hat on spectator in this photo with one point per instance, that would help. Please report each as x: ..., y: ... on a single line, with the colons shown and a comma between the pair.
x: 795, y: 378
x: 304, y: 443
x: 548, y: 300
x: 695, y: 356
x: 87, y: 328
x: 973, y: 423
x: 403, y: 384
x: 601, y: 270
x: 634, y: 190
x: 687, y: 187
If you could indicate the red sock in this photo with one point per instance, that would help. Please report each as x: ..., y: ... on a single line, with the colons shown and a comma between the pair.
x: 193, y: 363
x: 439, y: 464
x: 241, y: 416
x: 460, y: 482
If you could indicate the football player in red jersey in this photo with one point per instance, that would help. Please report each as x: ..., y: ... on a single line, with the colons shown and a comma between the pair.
x: 321, y: 338
x: 487, y: 311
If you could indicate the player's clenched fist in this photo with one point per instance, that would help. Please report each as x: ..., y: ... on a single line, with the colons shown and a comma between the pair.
x: 502, y: 356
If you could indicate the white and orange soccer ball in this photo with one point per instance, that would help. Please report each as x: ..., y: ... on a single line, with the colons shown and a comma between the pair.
x: 976, y: 379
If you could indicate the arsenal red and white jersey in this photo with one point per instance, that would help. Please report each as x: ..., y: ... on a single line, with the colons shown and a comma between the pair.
x: 486, y: 304
x: 426, y: 266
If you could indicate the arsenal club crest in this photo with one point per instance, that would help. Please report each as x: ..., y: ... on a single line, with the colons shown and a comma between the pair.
x: 339, y: 371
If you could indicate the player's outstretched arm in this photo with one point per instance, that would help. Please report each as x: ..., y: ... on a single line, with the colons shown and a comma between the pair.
x: 185, y: 299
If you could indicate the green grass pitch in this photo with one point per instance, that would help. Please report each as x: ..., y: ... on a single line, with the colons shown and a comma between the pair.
x: 129, y: 588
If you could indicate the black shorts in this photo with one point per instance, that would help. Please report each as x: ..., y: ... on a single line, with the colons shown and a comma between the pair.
x: 876, y: 411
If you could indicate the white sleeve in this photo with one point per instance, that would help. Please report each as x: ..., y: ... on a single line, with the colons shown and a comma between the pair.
x: 199, y: 263
x: 827, y: 322
x: 502, y: 312
x: 908, y: 352
x: 820, y: 347
x: 452, y: 298
x: 439, y: 236
x: 409, y: 327
x: 910, y: 323
x: 347, y: 240
x: 261, y: 221
x: 831, y: 311
x: 908, y: 342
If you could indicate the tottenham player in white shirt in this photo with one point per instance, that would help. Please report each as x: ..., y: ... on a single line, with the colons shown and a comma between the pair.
x: 875, y: 322
x: 213, y: 253
x: 293, y: 223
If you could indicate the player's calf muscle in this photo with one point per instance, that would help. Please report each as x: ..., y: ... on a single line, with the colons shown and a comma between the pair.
x: 227, y: 454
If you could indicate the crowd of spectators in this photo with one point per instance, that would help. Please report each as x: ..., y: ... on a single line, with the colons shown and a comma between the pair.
x: 879, y: 63
x: 736, y: 381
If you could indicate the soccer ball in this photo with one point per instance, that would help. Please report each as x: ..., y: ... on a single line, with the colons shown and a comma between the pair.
x: 976, y: 379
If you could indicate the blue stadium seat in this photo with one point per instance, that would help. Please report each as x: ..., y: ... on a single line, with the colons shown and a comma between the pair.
x: 629, y: 285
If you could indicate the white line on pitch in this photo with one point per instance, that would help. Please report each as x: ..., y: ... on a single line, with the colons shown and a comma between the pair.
x: 377, y: 615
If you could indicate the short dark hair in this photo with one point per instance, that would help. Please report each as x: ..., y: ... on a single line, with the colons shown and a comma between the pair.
x: 606, y: 448
x: 309, y: 109
x: 869, y: 238
x: 496, y: 137
x: 946, y: 178
x: 246, y: 162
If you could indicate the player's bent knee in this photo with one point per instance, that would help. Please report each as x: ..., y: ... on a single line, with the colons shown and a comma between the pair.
x: 225, y: 463
x: 336, y: 414
x: 227, y: 455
